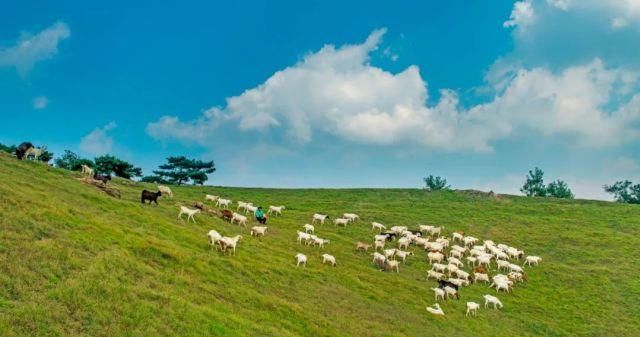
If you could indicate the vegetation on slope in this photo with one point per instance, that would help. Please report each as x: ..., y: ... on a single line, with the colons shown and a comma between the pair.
x: 76, y: 262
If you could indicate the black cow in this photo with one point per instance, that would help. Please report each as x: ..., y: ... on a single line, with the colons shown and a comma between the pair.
x: 151, y: 196
x: 22, y: 149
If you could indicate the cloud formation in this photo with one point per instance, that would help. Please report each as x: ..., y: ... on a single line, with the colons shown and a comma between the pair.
x: 337, y: 91
x: 31, y: 49
x: 98, y: 141
x: 40, y: 102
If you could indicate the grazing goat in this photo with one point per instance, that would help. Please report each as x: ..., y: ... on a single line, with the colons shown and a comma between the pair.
x: 435, y: 257
x: 351, y: 217
x: 488, y: 299
x: 393, y: 264
x: 151, y: 196
x: 302, y: 236
x: 103, y: 178
x: 301, y: 259
x: 457, y: 236
x: 436, y: 310
x: 319, y: 218
x: 341, y: 222
x: 379, y: 259
x: 243, y: 206
x: 437, y: 292
x: 480, y: 277
x: 165, y: 190
x: 87, y: 171
x: 258, y: 230
x: 214, y: 237
x: 250, y: 209
x: 189, y: 212
x: 223, y: 203
x: 434, y: 274
x: 378, y: 226
x: 532, y: 260
x: 226, y: 214
x: 403, y: 243
x: 212, y: 198
x: 275, y: 210
x: 226, y: 242
x: 402, y: 255
x: 308, y: 228
x: 378, y: 244
x: 472, y: 308
x: 320, y: 242
x: 326, y: 258
x: 240, y: 219
x: 452, y: 292
x: 362, y: 246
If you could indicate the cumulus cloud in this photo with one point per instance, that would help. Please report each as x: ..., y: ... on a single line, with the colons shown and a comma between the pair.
x: 40, y: 102
x: 337, y: 91
x: 31, y: 49
x: 521, y: 14
x: 98, y: 141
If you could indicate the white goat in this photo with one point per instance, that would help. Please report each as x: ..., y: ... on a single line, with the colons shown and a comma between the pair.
x: 379, y: 259
x: 472, y: 308
x: 165, y: 190
x: 437, y: 292
x: 302, y: 236
x: 393, y: 264
x: 434, y: 274
x: 214, y: 237
x: 223, y: 203
x: 402, y: 255
x: 189, y: 212
x: 301, y: 259
x: 240, y: 219
x: 326, y: 258
x: 436, y: 310
x: 275, y: 210
x: 341, y: 222
x: 258, y: 230
x: 378, y: 226
x: 87, y: 171
x: 226, y: 242
x: 212, y: 198
x: 435, y: 257
x: 488, y: 299
x: 308, y: 228
x: 351, y: 216
x: 319, y: 218
x: 532, y: 260
x: 243, y: 205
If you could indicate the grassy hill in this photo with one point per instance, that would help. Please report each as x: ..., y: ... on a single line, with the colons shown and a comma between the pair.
x: 76, y: 262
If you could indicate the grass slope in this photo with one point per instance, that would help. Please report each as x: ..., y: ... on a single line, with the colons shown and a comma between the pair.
x: 75, y: 262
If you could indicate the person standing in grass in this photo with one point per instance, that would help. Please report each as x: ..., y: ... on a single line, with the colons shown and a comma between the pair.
x: 260, y: 216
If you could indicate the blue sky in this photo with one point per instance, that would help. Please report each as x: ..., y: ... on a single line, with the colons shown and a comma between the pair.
x: 328, y: 94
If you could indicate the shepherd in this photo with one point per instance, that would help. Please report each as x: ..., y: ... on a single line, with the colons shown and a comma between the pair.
x: 260, y: 216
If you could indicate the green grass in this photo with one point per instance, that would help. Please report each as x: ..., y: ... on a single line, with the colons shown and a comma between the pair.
x: 76, y: 262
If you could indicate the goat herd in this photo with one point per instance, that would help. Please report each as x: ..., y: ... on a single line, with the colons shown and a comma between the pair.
x: 446, y: 255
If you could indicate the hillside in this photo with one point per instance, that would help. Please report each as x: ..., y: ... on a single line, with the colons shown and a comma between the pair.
x: 76, y: 262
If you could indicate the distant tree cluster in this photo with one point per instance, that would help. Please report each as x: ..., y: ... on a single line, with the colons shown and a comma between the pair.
x: 624, y: 191
x: 435, y: 183
x: 534, y: 186
x: 181, y: 170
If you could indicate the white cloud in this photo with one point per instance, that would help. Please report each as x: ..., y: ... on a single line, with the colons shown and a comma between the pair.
x: 40, y: 102
x: 521, y: 14
x: 31, y: 49
x: 617, y: 23
x: 98, y: 141
x: 337, y: 91
x: 561, y: 4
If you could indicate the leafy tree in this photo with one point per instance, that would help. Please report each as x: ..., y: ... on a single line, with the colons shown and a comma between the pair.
x: 559, y: 189
x: 71, y: 161
x: 179, y: 170
x: 624, y: 191
x: 435, y: 183
x: 534, y: 185
x: 9, y: 149
x: 108, y: 164
x: 153, y: 179
x: 46, y: 156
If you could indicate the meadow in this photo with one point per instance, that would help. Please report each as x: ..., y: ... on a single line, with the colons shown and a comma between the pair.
x: 77, y: 262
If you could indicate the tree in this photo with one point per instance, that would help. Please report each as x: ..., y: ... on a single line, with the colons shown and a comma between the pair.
x: 71, y: 161
x: 179, y: 170
x: 153, y: 179
x: 9, y: 149
x: 435, y: 183
x: 534, y: 185
x: 46, y: 156
x: 559, y: 189
x: 108, y: 164
x: 624, y: 191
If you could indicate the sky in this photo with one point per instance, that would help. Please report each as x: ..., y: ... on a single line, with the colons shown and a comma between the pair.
x: 334, y: 93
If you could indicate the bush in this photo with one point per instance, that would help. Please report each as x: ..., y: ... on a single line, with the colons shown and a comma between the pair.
x: 435, y: 183
x: 624, y: 191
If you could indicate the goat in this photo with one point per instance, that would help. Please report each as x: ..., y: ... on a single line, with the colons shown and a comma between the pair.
x: 165, y: 190
x: 362, y: 246
x: 488, y: 299
x: 308, y: 228
x: 378, y: 226
x: 301, y: 259
x: 326, y: 258
x: 275, y: 210
x: 240, y: 219
x: 436, y: 310
x: 472, y: 308
x: 151, y: 196
x: 258, y: 230
x: 189, y: 212
x: 319, y: 218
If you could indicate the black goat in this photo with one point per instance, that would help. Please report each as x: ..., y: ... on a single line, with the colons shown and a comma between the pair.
x: 151, y: 196
x: 22, y: 149
x: 103, y: 178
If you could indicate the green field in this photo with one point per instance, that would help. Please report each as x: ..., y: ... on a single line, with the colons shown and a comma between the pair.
x: 76, y: 262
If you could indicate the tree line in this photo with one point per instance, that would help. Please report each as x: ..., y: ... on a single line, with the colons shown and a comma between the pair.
x: 534, y: 186
x: 177, y: 170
